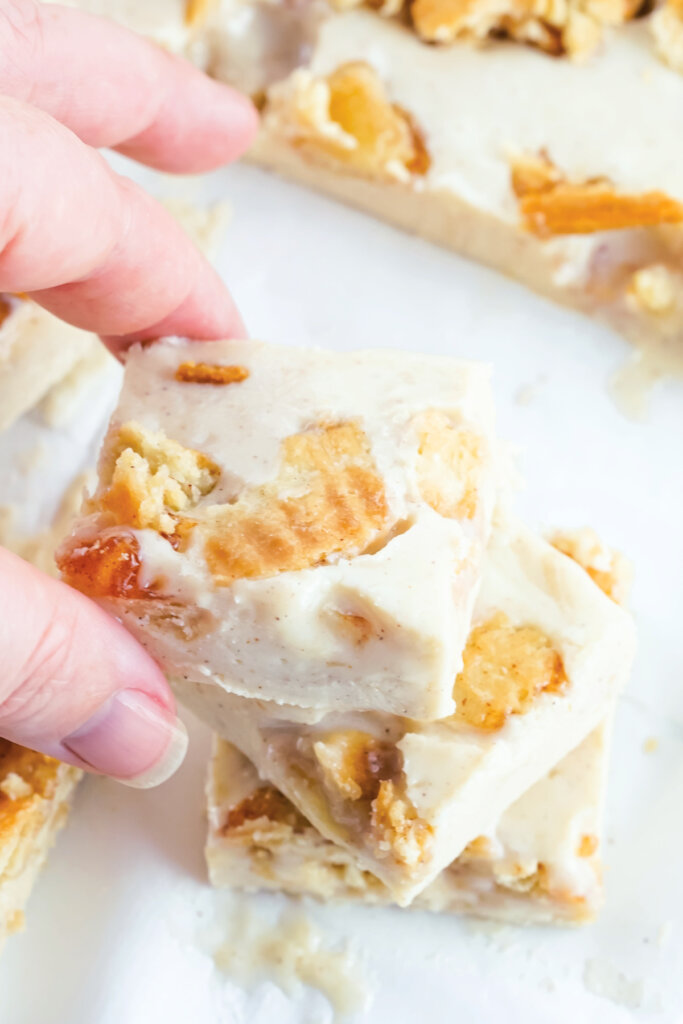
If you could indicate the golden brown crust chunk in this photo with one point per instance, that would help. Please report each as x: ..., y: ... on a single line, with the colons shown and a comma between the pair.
x: 550, y: 205
x: 448, y: 465
x: 608, y: 568
x: 264, y: 802
x: 505, y: 668
x: 346, y: 118
x: 354, y: 763
x: 210, y: 373
x: 573, y: 28
x: 5, y: 310
x: 327, y: 499
x: 148, y: 479
x: 396, y: 828
x: 28, y: 776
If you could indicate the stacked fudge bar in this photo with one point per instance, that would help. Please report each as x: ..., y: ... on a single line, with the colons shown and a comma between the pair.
x: 411, y: 689
x: 35, y: 793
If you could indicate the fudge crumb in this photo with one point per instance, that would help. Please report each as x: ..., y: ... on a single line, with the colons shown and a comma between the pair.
x: 603, y: 979
x: 293, y: 953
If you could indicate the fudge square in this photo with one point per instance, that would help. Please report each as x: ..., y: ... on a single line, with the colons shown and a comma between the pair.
x: 35, y: 794
x: 546, y: 657
x: 539, y: 864
x: 301, y: 526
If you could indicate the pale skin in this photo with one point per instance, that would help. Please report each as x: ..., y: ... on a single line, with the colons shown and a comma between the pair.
x: 99, y: 252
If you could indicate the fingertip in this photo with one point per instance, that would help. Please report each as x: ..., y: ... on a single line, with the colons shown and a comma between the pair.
x: 206, y: 125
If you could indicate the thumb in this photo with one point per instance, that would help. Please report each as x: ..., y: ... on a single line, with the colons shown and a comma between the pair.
x: 77, y: 686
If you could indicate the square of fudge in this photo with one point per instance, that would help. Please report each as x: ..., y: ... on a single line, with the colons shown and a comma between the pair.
x: 539, y: 864
x: 35, y: 793
x: 547, y: 655
x: 300, y: 526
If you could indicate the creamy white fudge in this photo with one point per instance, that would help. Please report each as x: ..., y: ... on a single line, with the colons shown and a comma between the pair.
x: 301, y: 526
x: 364, y: 119
x: 546, y: 657
x: 539, y: 864
x: 35, y: 792
x: 37, y: 352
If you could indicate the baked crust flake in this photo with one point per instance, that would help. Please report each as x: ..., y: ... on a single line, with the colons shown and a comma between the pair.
x: 346, y: 118
x: 550, y: 205
x: 505, y: 668
x: 152, y: 478
x: 210, y: 373
x: 609, y: 569
x: 445, y: 446
x: 328, y: 499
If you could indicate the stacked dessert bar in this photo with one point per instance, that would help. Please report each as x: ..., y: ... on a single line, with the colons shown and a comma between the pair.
x: 412, y: 690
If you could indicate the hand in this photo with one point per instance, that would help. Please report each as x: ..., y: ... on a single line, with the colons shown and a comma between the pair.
x: 96, y: 250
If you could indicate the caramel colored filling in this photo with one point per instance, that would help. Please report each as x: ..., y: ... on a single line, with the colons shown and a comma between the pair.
x: 210, y: 373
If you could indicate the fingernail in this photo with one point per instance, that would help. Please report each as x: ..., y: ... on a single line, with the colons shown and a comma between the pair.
x: 131, y: 739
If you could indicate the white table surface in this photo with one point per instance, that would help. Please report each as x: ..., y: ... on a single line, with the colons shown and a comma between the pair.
x: 116, y: 922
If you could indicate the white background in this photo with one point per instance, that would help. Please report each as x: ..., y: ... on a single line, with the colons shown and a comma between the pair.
x: 117, y: 924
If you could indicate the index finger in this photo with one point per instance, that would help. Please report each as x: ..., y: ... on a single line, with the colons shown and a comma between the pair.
x: 113, y: 88
x: 93, y: 247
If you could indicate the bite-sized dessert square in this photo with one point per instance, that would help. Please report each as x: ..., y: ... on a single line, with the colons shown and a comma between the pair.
x: 301, y: 526
x: 539, y: 864
x: 37, y: 350
x: 35, y: 792
x: 547, y: 655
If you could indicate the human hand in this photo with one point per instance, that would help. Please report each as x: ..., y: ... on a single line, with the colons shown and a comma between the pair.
x: 96, y: 250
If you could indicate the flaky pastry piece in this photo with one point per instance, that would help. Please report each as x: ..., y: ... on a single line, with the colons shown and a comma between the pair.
x: 35, y: 792
x: 295, y: 525
x: 347, y: 118
x: 545, y: 659
x: 550, y: 205
x: 572, y: 27
x: 539, y: 864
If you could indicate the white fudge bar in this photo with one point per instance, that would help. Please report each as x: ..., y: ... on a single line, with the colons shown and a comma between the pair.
x: 300, y: 526
x: 520, y: 169
x: 547, y: 655
x: 37, y: 351
x: 539, y: 864
x: 35, y: 792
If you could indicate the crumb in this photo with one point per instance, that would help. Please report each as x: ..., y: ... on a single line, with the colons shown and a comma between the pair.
x: 603, y: 979
x: 293, y: 953
x: 650, y: 745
